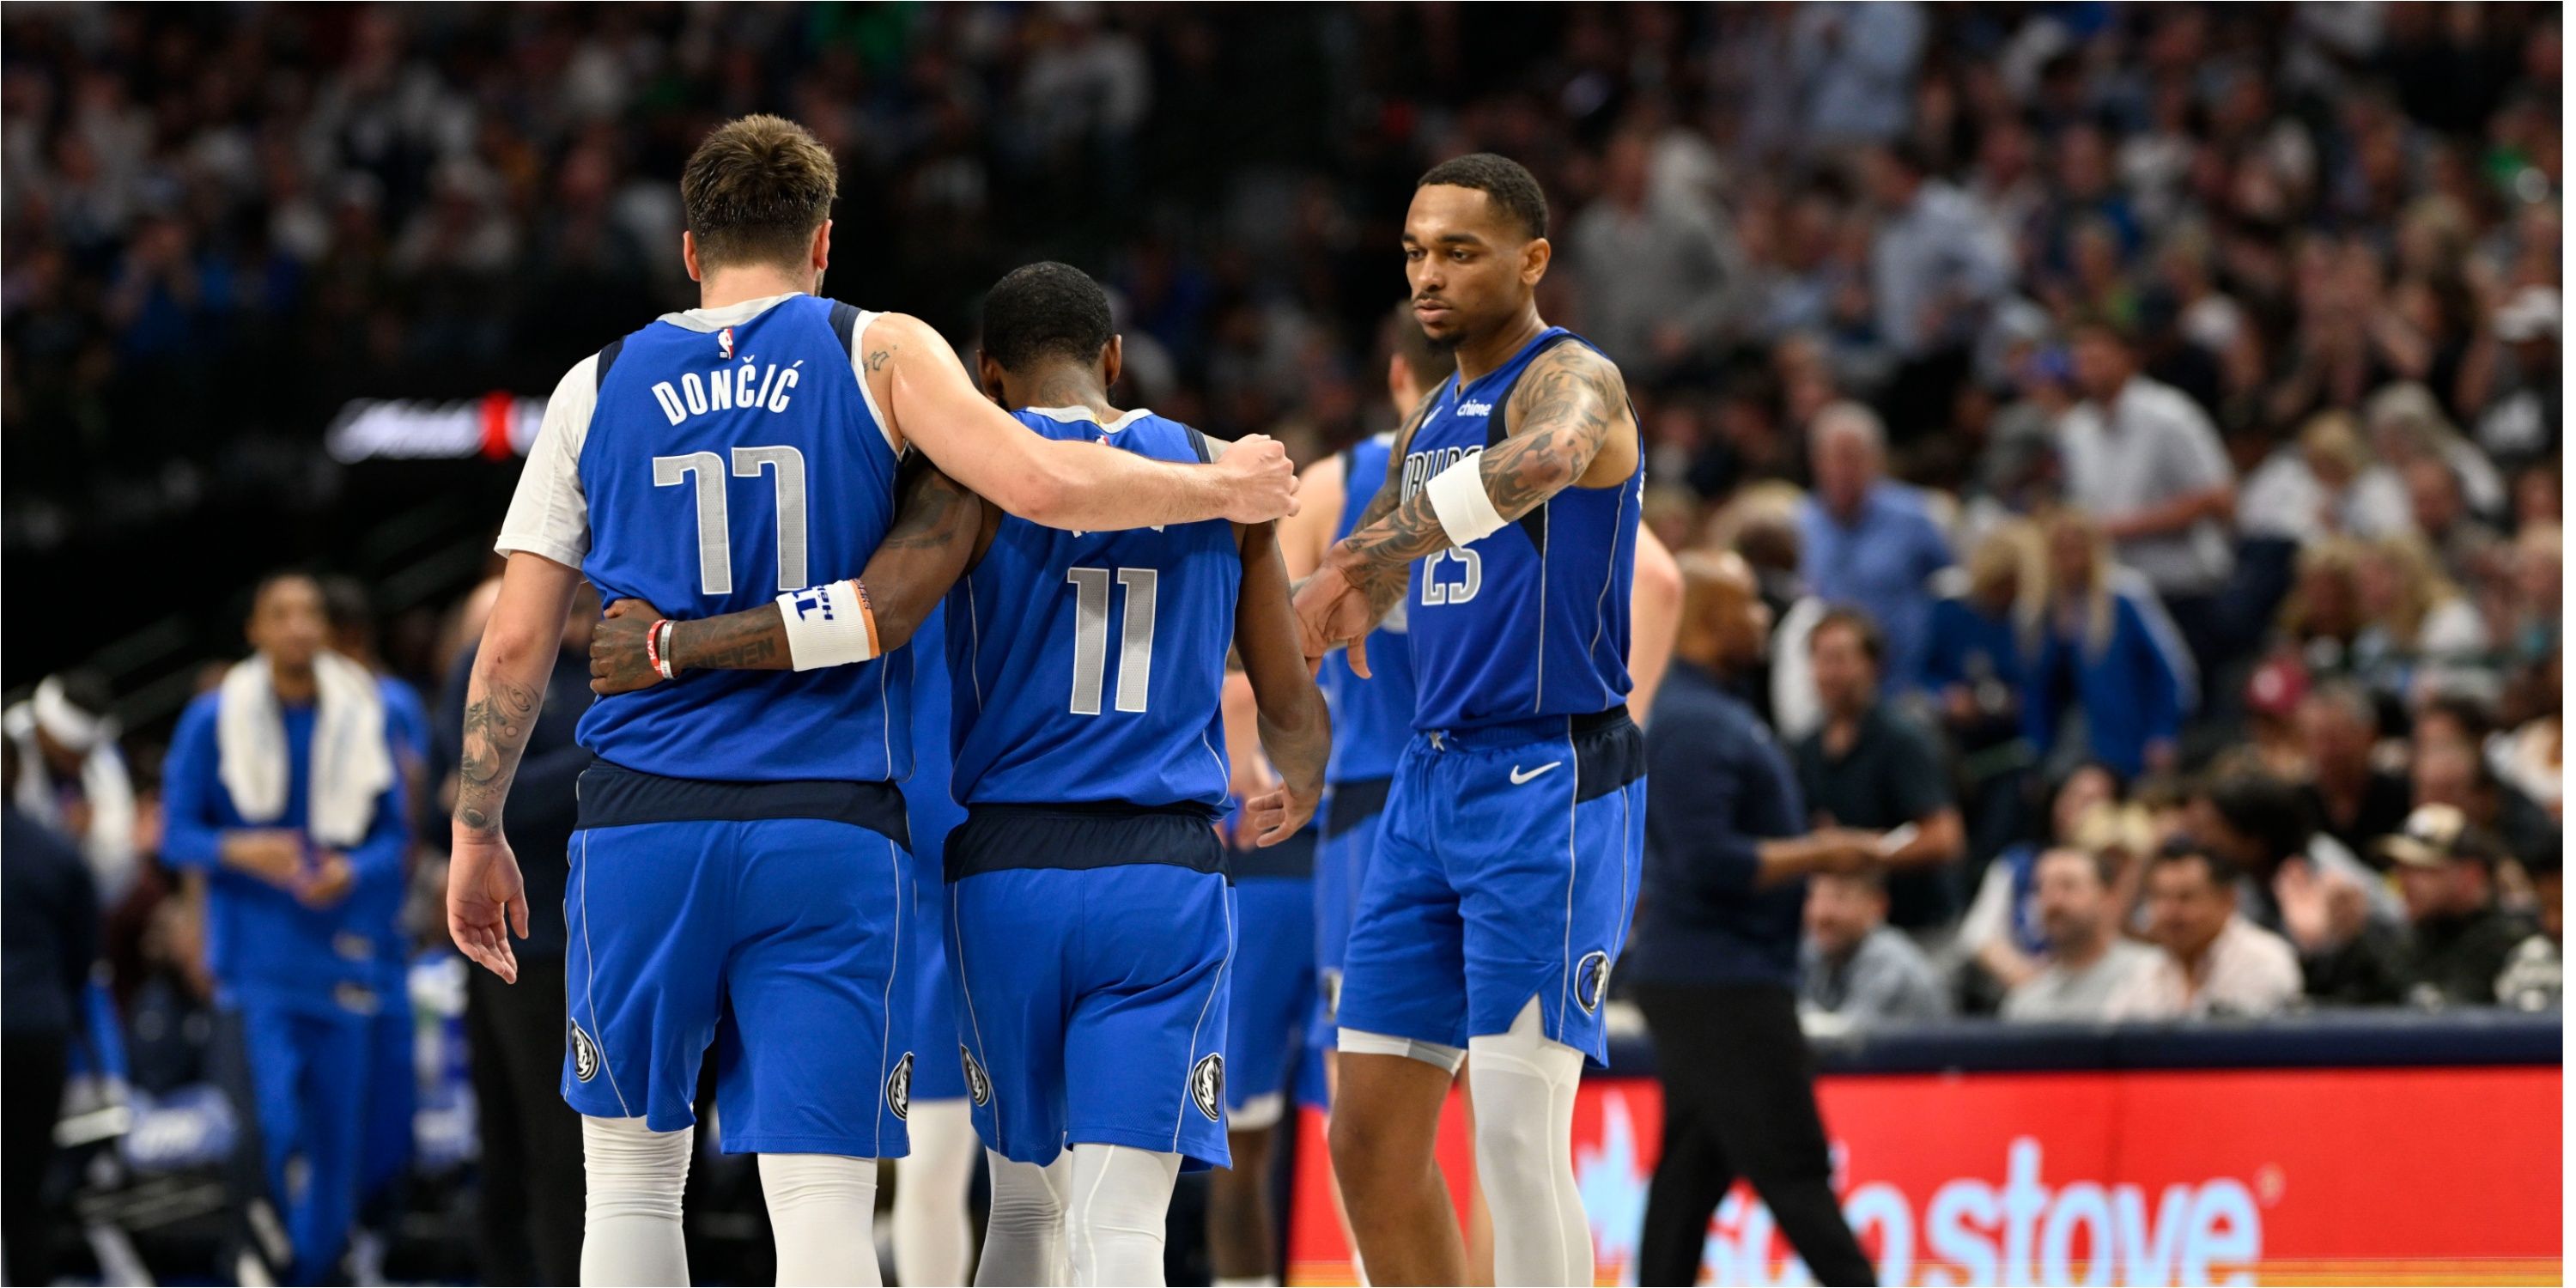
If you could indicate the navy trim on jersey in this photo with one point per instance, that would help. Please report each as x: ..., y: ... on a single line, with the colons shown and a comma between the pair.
x: 607, y: 359
x: 1350, y: 804
x: 996, y: 838
x: 614, y: 796
x: 1199, y: 444
x: 845, y: 323
x: 1610, y: 751
x: 1293, y: 858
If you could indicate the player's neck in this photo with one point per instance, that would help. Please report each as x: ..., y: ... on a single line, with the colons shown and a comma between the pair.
x: 730, y: 286
x: 293, y: 685
x: 1065, y: 385
x: 1476, y: 357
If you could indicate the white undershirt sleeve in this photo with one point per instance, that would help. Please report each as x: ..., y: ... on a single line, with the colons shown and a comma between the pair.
x: 549, y: 516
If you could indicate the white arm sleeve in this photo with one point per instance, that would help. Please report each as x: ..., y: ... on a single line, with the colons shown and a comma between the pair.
x: 549, y: 516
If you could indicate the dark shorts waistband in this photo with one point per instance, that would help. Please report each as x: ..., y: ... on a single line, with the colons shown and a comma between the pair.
x: 1293, y: 859
x: 996, y: 838
x: 614, y: 796
x: 1608, y: 749
x: 1347, y: 805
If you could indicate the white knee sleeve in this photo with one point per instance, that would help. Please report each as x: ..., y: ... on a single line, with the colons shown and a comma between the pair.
x: 1121, y: 1197
x: 631, y: 1216
x: 822, y: 1212
x: 1024, y: 1233
x: 933, y: 1240
x: 1524, y: 1086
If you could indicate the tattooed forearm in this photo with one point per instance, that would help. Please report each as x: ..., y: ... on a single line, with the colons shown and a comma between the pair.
x: 754, y: 639
x: 498, y: 715
x: 1561, y: 414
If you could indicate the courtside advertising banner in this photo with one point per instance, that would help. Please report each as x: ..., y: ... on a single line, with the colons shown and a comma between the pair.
x: 2293, y: 1176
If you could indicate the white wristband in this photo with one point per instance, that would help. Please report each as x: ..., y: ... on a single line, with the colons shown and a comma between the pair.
x: 828, y: 625
x: 1458, y: 496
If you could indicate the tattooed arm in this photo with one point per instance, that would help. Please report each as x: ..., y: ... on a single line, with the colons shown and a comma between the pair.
x: 1296, y: 730
x: 939, y: 531
x: 1569, y: 427
x: 486, y: 901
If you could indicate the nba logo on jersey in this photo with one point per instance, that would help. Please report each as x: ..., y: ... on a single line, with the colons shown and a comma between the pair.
x: 724, y: 343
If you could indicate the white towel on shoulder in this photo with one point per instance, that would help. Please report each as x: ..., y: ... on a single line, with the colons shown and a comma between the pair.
x: 351, y: 764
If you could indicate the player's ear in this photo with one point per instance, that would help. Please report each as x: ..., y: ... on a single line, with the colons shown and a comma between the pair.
x: 1534, y: 259
x: 820, y: 253
x: 1113, y: 359
x: 988, y: 377
x: 689, y: 254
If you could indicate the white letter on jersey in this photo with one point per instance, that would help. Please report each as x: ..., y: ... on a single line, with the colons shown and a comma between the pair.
x: 786, y: 381
x: 670, y: 400
x: 695, y: 391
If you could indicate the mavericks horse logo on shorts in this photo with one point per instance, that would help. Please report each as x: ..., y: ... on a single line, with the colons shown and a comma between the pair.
x: 979, y: 1087
x: 1207, y: 1086
x: 585, y: 1054
x: 1592, y: 980
x: 899, y: 1087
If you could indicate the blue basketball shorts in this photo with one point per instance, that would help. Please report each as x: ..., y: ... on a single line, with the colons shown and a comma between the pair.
x: 1091, y: 953
x: 1352, y: 812
x: 937, y: 1075
x: 1273, y: 992
x: 1506, y: 869
x: 778, y: 941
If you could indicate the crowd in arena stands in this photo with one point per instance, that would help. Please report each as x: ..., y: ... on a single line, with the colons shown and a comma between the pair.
x: 2142, y: 422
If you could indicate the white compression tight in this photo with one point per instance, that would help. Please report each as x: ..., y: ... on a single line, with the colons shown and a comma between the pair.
x: 631, y: 1217
x: 822, y: 1211
x: 1524, y: 1086
x: 1100, y: 1207
x: 932, y: 1236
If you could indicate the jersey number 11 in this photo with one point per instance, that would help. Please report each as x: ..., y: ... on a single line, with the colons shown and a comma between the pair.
x: 1091, y: 636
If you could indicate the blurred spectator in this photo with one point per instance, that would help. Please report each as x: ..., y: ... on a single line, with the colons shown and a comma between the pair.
x: 2326, y: 483
x: 1872, y: 768
x: 49, y: 905
x: 2146, y: 463
x: 2459, y: 937
x: 1935, y: 263
x: 1655, y: 266
x: 1854, y: 966
x: 2519, y: 421
x: 1975, y: 670
x: 71, y: 777
x: 2419, y: 632
x: 2211, y: 960
x: 2089, y: 962
x: 2534, y: 975
x: 289, y: 843
x: 1852, y: 68
x: 2108, y: 656
x: 2003, y: 932
x: 1866, y: 542
x: 532, y: 1208
x: 2354, y: 799
x: 2304, y: 885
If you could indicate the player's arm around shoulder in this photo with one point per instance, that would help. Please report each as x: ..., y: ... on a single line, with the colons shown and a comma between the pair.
x: 1569, y: 426
x: 933, y: 404
x: 940, y: 530
x: 1296, y: 729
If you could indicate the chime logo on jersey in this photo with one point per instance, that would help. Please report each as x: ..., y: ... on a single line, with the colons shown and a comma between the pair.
x: 1592, y: 980
x: 724, y: 343
x: 898, y: 1088
x: 1207, y: 1086
x: 979, y: 1087
x: 585, y: 1055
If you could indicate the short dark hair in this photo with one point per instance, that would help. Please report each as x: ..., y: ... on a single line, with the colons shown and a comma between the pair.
x: 1045, y: 310
x: 1505, y: 182
x: 2189, y: 850
x: 345, y: 603
x: 275, y: 577
x: 2104, y: 863
x: 1873, y: 642
x: 755, y: 191
x: 2266, y: 809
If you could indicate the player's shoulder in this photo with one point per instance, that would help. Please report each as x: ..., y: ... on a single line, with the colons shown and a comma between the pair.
x: 1570, y: 359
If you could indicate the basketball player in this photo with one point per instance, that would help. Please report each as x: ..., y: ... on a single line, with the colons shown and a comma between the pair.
x: 1090, y: 922
x: 748, y: 840
x: 1507, y: 860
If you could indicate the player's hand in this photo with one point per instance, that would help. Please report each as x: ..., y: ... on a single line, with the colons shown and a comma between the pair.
x: 1277, y: 815
x: 273, y: 854
x: 1334, y: 612
x: 487, y: 901
x: 1260, y: 482
x: 618, y: 663
x: 328, y: 882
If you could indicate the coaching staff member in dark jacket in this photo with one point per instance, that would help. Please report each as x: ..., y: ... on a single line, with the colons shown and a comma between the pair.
x: 531, y: 1215
x: 1715, y: 964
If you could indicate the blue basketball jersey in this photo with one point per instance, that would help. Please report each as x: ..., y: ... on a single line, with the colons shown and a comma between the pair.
x: 1087, y: 666
x: 722, y: 467
x: 1531, y: 620
x: 1372, y: 718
